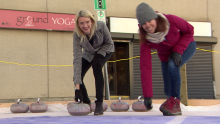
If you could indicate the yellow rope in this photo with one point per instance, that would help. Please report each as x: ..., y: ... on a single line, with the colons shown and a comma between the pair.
x: 107, y: 61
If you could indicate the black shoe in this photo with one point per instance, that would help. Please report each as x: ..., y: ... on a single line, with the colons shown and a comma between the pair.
x: 148, y: 103
x: 98, y: 108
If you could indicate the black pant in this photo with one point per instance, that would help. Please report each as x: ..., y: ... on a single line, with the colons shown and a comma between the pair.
x: 99, y: 80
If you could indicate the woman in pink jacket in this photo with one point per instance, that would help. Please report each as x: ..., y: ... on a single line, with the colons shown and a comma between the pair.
x: 172, y: 37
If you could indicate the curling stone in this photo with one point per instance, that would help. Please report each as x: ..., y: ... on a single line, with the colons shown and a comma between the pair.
x: 38, y: 107
x: 69, y: 104
x: 139, y: 106
x: 104, y: 105
x: 78, y: 108
x: 19, y: 107
x: 119, y: 106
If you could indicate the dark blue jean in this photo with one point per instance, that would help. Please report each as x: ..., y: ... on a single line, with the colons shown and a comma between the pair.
x: 171, y: 73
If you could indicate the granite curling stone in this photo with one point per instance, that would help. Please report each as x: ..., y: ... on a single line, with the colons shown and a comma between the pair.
x: 119, y: 106
x: 19, y: 107
x: 78, y: 109
x: 139, y: 106
x: 38, y: 107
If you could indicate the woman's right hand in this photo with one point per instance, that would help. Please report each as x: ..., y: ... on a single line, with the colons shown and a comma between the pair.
x: 78, y: 95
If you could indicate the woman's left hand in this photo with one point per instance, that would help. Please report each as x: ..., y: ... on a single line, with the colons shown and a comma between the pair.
x: 177, y: 58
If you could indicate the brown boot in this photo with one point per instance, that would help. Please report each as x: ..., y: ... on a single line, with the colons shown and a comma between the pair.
x: 172, y: 107
x: 98, y: 108
x: 164, y: 105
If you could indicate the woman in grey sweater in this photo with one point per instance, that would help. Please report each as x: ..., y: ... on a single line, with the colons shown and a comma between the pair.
x: 92, y: 46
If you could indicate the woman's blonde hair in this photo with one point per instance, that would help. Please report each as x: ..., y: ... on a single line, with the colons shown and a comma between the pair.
x: 77, y: 30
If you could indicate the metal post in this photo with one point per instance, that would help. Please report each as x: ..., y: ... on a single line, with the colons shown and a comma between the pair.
x: 107, y: 93
x: 100, y: 6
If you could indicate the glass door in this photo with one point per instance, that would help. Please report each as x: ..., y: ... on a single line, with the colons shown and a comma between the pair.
x: 118, y: 72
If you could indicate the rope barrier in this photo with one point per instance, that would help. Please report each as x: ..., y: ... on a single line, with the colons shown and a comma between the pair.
x: 107, y: 61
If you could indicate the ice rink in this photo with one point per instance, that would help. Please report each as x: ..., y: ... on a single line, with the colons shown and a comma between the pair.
x: 57, y: 114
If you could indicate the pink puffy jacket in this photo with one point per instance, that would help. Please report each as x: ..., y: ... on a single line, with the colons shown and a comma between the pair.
x: 178, y: 38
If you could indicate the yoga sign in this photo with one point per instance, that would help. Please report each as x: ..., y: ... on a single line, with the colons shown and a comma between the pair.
x: 36, y: 20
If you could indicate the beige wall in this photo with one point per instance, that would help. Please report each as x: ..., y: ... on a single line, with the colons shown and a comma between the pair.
x: 60, y: 52
x: 55, y: 48
x: 214, y: 17
x: 24, y: 47
x: 126, y: 8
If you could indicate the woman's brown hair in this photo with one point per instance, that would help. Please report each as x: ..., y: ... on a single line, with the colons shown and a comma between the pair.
x: 161, y: 27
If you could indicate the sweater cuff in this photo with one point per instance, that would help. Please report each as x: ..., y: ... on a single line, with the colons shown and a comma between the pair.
x: 102, y: 53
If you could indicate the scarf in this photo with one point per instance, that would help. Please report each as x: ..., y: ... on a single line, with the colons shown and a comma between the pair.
x: 158, y: 36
